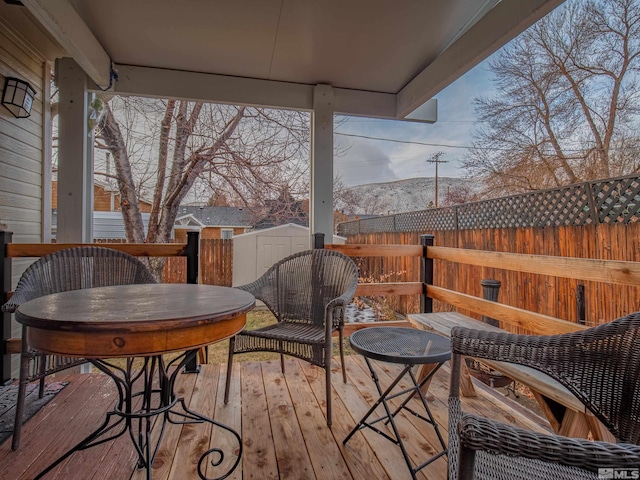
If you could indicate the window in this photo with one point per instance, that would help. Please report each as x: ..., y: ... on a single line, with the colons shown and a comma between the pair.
x: 226, y: 233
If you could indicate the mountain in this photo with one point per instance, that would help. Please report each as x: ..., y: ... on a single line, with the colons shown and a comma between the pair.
x: 411, y: 194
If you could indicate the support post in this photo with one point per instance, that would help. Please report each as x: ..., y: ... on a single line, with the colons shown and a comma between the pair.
x: 193, y: 260
x: 426, y: 273
x: 75, y: 147
x: 490, y: 289
x: 321, y: 204
x: 5, y: 278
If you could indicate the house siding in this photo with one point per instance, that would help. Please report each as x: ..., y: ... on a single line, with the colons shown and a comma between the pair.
x: 101, y: 200
x: 21, y: 146
x: 22, y: 151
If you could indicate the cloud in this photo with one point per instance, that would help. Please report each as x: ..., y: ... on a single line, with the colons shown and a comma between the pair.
x: 455, y: 126
x: 362, y: 162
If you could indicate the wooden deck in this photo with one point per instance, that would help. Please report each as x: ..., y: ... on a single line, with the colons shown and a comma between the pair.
x: 281, y: 419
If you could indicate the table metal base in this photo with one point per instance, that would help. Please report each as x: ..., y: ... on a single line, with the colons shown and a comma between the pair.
x: 389, y: 417
x: 136, y: 412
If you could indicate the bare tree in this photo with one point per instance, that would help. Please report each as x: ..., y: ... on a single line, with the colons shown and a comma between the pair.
x: 567, y: 102
x: 459, y: 194
x: 165, y: 149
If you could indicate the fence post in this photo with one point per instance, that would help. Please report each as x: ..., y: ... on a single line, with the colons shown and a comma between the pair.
x: 5, y: 362
x: 193, y: 260
x: 581, y: 305
x: 426, y: 273
x: 490, y: 289
x: 318, y: 240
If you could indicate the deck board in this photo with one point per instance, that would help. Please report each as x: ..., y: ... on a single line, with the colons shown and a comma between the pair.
x: 292, y: 455
x: 282, y: 419
x: 259, y: 457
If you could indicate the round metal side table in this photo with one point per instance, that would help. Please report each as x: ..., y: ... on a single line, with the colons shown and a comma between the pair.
x: 409, y: 347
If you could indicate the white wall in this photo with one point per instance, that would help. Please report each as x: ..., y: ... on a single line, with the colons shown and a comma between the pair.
x: 24, y: 166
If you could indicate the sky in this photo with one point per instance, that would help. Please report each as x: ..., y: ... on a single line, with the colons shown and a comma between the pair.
x: 372, y: 161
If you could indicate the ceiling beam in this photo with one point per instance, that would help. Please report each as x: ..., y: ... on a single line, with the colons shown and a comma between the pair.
x: 208, y: 87
x: 64, y: 24
x: 501, y: 24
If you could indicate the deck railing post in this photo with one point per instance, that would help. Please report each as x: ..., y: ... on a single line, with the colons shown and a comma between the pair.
x: 490, y: 289
x: 581, y: 304
x: 318, y: 240
x: 5, y: 358
x: 193, y: 258
x: 426, y: 273
x: 193, y: 262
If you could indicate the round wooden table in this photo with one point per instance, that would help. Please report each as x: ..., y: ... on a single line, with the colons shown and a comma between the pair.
x: 145, y: 321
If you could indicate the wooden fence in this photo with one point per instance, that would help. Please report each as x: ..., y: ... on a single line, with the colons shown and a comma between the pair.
x: 557, y: 297
x: 216, y: 263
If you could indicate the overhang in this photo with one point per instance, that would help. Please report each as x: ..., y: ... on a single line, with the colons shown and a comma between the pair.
x: 383, y: 59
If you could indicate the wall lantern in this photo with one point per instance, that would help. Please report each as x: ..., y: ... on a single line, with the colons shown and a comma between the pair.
x: 18, y: 97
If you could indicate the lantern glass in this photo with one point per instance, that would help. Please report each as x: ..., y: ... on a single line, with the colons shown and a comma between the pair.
x: 18, y: 97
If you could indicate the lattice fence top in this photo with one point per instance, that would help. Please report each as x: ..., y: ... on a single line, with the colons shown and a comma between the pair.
x: 615, y: 200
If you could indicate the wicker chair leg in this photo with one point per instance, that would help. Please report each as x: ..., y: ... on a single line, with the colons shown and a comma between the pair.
x: 327, y: 369
x: 232, y: 344
x: 341, y: 339
x: 22, y: 393
x: 282, y: 362
x: 43, y: 360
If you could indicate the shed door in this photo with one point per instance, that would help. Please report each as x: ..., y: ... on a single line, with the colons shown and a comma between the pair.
x: 274, y: 249
x: 270, y: 250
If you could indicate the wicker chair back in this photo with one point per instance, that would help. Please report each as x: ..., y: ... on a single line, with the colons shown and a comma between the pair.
x: 61, y: 271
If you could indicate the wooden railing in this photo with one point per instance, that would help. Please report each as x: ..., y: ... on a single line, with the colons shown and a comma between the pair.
x: 33, y: 250
x: 511, y: 318
x: 609, y: 271
x: 388, y: 288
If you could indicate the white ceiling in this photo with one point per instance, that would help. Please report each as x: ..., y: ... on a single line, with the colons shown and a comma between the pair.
x: 382, y: 57
x: 372, y: 45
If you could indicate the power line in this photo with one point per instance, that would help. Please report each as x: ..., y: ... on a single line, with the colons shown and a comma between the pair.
x: 409, y: 142
x: 442, y: 145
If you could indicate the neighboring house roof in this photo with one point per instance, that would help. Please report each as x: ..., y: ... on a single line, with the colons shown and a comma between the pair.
x: 216, y: 216
x: 300, y: 219
x: 187, y: 221
x: 283, y: 210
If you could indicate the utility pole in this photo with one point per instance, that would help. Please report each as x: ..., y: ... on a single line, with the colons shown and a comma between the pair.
x: 435, y: 158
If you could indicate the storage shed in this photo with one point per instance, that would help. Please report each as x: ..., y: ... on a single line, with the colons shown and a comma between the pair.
x: 255, y: 252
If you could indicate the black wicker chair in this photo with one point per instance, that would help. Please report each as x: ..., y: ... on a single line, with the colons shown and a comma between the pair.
x: 70, y: 269
x: 307, y: 293
x: 600, y: 366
